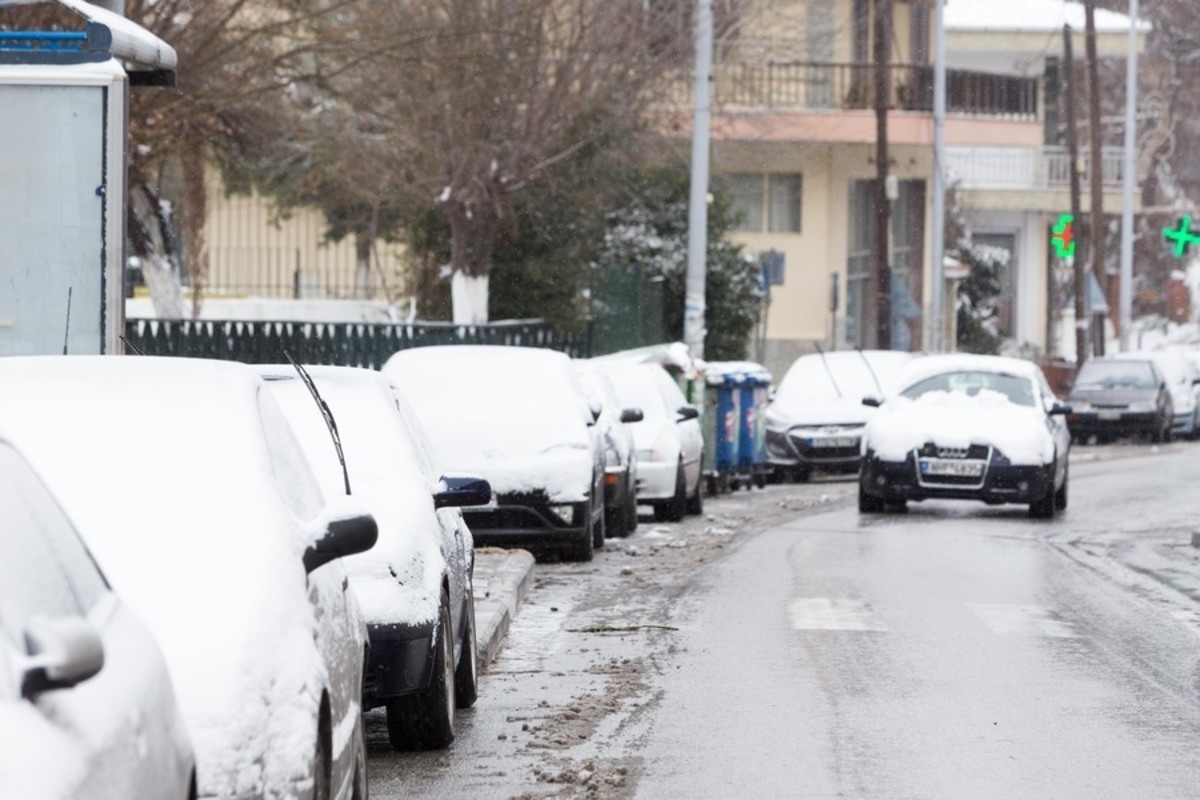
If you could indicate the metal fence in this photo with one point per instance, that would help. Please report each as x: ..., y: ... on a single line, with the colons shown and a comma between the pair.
x: 352, y: 344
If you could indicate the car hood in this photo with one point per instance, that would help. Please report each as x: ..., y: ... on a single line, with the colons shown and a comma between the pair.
x: 955, y: 420
x: 840, y: 411
x: 1117, y: 395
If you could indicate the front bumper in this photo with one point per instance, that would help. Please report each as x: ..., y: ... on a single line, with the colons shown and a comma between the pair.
x: 998, y: 483
x: 831, y: 448
x: 529, y: 520
x: 400, y: 661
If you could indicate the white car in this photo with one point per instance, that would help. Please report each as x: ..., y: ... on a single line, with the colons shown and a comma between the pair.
x: 517, y: 417
x: 967, y: 427
x: 414, y: 585
x: 86, y: 704
x: 670, y: 444
x: 815, y: 418
x: 192, y: 493
x: 1181, y: 377
x: 620, y: 451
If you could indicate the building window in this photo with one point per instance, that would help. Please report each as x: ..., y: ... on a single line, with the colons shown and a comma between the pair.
x: 766, y: 202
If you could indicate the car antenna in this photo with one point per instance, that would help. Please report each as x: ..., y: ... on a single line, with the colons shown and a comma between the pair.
x: 825, y: 361
x: 330, y: 422
x: 67, y: 332
x: 131, y: 346
x: 867, y: 361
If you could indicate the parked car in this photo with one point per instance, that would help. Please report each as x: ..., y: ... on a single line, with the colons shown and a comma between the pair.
x: 967, y: 427
x: 1120, y: 396
x: 414, y: 586
x: 86, y: 705
x: 194, y: 496
x: 1182, y: 379
x: 670, y: 444
x: 620, y: 452
x: 517, y: 417
x: 815, y: 418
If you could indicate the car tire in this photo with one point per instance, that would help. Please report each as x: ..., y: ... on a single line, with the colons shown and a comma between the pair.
x: 584, y: 548
x: 895, y: 506
x: 868, y: 503
x: 466, y: 673
x: 359, y: 789
x: 673, y: 510
x: 425, y: 720
x: 1047, y: 505
x: 322, y: 761
x: 598, y: 529
x: 1060, y: 496
x: 631, y: 513
x: 695, y: 503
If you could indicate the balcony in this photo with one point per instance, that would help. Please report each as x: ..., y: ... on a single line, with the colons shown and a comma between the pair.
x: 1025, y: 169
x: 813, y: 86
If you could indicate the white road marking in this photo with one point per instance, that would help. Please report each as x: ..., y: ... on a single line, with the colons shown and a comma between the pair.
x: 833, y: 614
x: 1022, y: 620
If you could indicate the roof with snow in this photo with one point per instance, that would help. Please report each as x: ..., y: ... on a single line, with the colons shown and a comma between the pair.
x: 130, y: 42
x: 1036, y: 16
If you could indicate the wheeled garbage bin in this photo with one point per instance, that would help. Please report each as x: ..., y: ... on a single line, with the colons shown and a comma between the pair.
x: 722, y: 401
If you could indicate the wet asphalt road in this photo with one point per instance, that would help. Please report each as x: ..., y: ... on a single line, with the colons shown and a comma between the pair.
x: 782, y: 646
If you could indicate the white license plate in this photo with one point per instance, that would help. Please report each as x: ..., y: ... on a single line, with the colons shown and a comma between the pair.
x: 1108, y: 415
x: 833, y: 441
x: 956, y: 469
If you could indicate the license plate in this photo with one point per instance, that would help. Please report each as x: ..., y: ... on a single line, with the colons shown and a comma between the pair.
x: 833, y: 441
x: 955, y: 469
x: 1108, y: 415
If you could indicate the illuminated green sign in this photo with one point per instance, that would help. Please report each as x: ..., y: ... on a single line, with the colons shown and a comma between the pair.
x: 1182, y: 236
x: 1062, y: 236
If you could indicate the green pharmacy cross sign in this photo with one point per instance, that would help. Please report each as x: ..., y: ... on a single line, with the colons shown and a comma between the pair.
x: 1182, y: 236
x: 1062, y: 236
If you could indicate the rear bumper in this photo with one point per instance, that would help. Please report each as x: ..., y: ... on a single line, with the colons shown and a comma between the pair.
x: 522, y: 521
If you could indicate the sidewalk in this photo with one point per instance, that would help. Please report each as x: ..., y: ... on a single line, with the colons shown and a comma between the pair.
x: 502, y: 577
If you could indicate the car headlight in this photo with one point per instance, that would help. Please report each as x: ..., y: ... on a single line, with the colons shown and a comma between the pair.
x: 1078, y: 406
x: 1142, y: 406
x: 564, y: 512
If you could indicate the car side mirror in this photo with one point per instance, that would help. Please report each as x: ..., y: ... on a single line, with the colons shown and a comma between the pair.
x: 343, y: 537
x: 1058, y: 409
x: 687, y: 412
x: 632, y: 415
x: 872, y: 402
x: 63, y: 651
x: 460, y: 491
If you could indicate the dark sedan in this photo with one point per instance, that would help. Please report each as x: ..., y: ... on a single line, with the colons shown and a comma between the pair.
x: 1120, y: 396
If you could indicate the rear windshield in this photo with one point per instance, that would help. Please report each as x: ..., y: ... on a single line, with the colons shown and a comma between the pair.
x: 1109, y: 374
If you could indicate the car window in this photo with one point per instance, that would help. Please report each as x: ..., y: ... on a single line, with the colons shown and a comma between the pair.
x: 1113, y: 374
x: 636, y: 390
x: 293, y: 477
x: 422, y: 448
x: 1017, y: 389
x: 44, y: 567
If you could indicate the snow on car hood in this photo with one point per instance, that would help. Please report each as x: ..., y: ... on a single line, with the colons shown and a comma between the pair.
x: 844, y: 411
x: 398, y: 580
x: 163, y: 468
x: 953, y: 419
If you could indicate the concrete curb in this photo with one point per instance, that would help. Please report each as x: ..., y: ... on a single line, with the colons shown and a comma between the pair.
x: 502, y: 577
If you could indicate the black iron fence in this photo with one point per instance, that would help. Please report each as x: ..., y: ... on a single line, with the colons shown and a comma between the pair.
x: 352, y: 344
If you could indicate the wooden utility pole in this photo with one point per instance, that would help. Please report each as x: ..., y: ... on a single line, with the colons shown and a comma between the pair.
x: 1098, y: 229
x: 881, y: 249
x: 1081, y: 287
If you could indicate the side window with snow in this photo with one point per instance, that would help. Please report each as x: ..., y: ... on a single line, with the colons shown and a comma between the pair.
x: 293, y: 477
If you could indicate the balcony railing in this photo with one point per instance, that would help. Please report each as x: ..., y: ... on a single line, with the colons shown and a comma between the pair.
x: 796, y: 85
x: 1026, y: 168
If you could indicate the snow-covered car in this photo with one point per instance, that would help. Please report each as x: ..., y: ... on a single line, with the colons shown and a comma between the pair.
x: 1120, y: 395
x: 1181, y: 377
x: 86, y: 705
x: 967, y: 427
x: 815, y: 418
x: 414, y: 586
x: 620, y: 452
x: 670, y: 444
x: 194, y: 496
x: 515, y: 416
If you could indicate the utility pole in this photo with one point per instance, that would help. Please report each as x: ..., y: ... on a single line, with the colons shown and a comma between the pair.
x: 1081, y: 287
x: 1125, y: 302
x: 881, y: 249
x: 937, y: 294
x: 697, y: 249
x: 1098, y: 228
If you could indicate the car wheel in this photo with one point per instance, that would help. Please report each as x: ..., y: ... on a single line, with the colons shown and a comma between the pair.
x: 598, y: 528
x: 1060, y: 496
x: 359, y: 790
x: 1045, y: 507
x: 322, y: 789
x: 466, y: 674
x: 895, y: 506
x: 695, y: 503
x: 673, y: 510
x: 631, y: 513
x: 868, y: 503
x: 425, y: 720
x: 584, y: 548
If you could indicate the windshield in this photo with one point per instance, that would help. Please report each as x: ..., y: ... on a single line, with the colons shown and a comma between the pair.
x: 1017, y: 389
x: 1110, y: 374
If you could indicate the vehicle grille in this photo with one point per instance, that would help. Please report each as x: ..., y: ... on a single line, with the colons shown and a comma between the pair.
x: 976, y: 452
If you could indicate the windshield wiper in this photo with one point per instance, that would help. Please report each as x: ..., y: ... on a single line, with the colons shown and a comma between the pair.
x: 832, y: 379
x: 330, y: 422
x: 867, y: 361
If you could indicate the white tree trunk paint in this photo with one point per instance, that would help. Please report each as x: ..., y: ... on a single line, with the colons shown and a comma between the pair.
x: 469, y: 297
x: 162, y: 281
